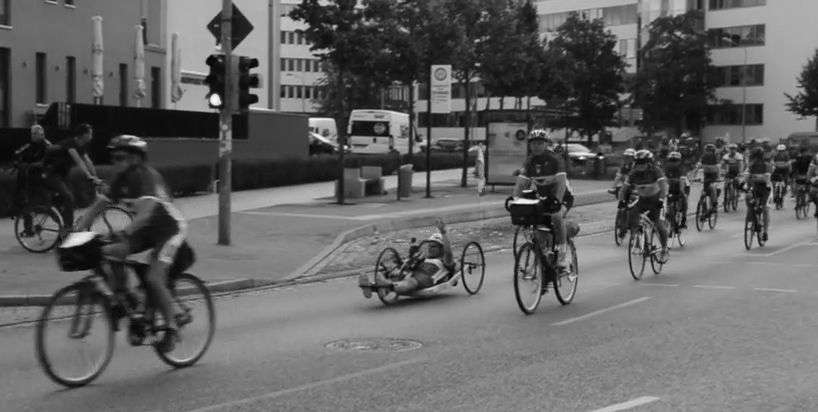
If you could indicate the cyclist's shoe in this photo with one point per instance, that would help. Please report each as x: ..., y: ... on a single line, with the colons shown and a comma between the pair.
x: 764, y: 236
x: 169, y: 340
x: 563, y: 265
x: 663, y: 254
x: 365, y: 285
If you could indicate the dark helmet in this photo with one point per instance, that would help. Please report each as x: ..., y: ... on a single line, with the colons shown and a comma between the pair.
x: 710, y: 146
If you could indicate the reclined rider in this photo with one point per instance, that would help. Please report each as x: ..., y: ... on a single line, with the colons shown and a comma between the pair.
x: 547, y: 170
x: 436, y: 263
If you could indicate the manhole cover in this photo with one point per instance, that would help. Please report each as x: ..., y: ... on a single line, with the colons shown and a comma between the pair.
x: 374, y: 344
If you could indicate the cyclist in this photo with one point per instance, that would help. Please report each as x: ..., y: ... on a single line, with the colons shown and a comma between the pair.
x: 678, y: 185
x: 757, y: 181
x: 157, y: 226
x: 781, y: 166
x: 651, y: 185
x: 812, y: 178
x: 547, y: 171
x: 624, y: 170
x: 800, y: 167
x: 709, y: 164
x: 29, y: 161
x: 732, y: 164
x: 435, y: 263
x: 59, y: 159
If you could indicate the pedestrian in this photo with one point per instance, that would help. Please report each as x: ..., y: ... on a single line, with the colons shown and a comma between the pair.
x: 29, y: 162
x: 480, y: 166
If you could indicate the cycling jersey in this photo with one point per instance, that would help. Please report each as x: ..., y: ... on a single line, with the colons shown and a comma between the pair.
x: 646, y: 181
x: 757, y: 171
x: 674, y: 172
x: 733, y: 163
x: 800, y: 165
x: 781, y: 160
x: 158, y: 224
x: 546, y: 164
x: 710, y: 166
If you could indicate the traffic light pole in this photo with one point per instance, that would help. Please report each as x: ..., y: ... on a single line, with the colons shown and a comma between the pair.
x: 226, y: 126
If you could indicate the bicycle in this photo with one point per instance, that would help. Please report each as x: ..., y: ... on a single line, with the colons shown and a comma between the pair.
x: 778, y: 194
x: 86, y: 314
x: 621, y: 222
x: 705, y: 210
x: 642, y: 246
x: 801, y: 201
x: 674, y: 216
x: 532, y: 194
x: 731, y: 194
x: 754, y: 221
x: 535, y: 261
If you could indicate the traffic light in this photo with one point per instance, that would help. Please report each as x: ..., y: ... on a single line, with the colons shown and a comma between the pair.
x: 247, y: 81
x: 215, y: 80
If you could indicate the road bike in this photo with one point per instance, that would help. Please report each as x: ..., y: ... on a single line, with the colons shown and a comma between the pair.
x: 754, y: 221
x: 643, y: 246
x: 74, y: 337
x: 778, y: 194
x: 520, y: 230
x: 674, y: 217
x: 535, y: 263
x: 731, y: 195
x: 621, y: 221
x: 801, y: 200
x: 705, y: 212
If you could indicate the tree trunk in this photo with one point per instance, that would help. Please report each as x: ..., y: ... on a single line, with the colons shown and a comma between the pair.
x: 411, y: 121
x: 466, y: 131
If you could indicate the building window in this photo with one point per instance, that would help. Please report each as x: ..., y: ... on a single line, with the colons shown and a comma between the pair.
x: 123, y: 84
x: 40, y: 69
x: 695, y: 4
x: 291, y: 37
x: 4, y: 86
x: 5, y: 12
x: 283, y: 65
x: 298, y: 65
x: 290, y: 91
x: 307, y: 65
x: 283, y: 92
x: 619, y: 15
x: 727, y: 76
x: 283, y: 39
x: 730, y: 4
x: 315, y: 65
x: 291, y: 65
x: 298, y: 91
x: 730, y: 114
x: 737, y: 36
x: 623, y: 47
x: 70, y: 79
x: 156, y: 87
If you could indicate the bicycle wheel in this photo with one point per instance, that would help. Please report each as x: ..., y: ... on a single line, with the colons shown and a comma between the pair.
x: 619, y: 221
x: 111, y: 219
x: 517, y: 229
x: 45, y: 231
x: 74, y: 338
x: 388, y: 262
x: 655, y: 263
x: 566, y: 287
x: 700, y: 210
x: 528, y: 278
x: 759, y: 227
x: 734, y: 199
x: 193, y: 298
x: 726, y: 200
x: 749, y: 231
x: 636, y: 254
x: 713, y: 217
x: 472, y: 267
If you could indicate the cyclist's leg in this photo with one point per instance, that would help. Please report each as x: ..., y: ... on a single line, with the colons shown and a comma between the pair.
x: 661, y: 228
x: 58, y: 185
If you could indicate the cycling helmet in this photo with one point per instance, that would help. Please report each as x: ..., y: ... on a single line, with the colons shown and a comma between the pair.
x: 710, y: 146
x: 732, y: 146
x: 674, y: 156
x: 643, y: 156
x: 129, y: 143
x: 781, y: 148
x: 539, y: 134
x: 629, y: 152
x: 437, y: 238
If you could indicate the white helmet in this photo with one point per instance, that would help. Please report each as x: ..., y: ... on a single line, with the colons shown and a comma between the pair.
x: 781, y: 148
x: 437, y: 237
x: 629, y: 152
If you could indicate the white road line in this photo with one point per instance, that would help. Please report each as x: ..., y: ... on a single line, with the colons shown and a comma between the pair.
x: 276, y: 394
x: 782, y: 250
x: 776, y: 290
x: 306, y: 215
x: 643, y: 400
x: 713, y: 287
x: 673, y: 285
x: 601, y: 311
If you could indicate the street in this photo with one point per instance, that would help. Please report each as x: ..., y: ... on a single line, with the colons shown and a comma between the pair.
x: 720, y: 329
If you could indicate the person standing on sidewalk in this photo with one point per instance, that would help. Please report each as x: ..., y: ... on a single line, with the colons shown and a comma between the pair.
x: 480, y: 167
x: 59, y: 160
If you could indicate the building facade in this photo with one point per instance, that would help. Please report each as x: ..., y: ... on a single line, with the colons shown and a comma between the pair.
x: 45, y: 54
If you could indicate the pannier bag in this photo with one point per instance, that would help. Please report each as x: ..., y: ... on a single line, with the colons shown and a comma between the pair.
x: 532, y: 211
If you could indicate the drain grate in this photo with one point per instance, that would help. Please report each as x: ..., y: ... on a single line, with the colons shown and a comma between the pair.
x: 374, y: 345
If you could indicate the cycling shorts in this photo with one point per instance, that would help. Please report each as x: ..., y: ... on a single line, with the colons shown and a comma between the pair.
x: 163, y: 234
x: 760, y: 191
x: 650, y: 204
x: 779, y: 175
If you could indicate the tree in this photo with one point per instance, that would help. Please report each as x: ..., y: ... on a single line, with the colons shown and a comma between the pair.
x: 805, y: 103
x: 676, y: 79
x: 582, y: 55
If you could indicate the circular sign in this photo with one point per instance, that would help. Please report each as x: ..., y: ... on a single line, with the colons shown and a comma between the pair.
x: 440, y: 74
x: 520, y: 135
x: 379, y: 128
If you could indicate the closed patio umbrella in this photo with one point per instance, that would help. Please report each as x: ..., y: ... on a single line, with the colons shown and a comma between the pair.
x: 139, y: 66
x: 98, y: 86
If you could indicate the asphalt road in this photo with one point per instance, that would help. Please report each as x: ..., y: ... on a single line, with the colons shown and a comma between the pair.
x: 720, y: 329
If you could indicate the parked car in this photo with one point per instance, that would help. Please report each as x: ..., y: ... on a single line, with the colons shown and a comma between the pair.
x: 579, y: 153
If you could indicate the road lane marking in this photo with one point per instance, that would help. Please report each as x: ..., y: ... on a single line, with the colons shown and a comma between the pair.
x: 713, y: 287
x: 601, y: 311
x: 642, y: 400
x: 672, y: 285
x: 788, y: 248
x: 276, y: 394
x: 304, y: 215
x: 776, y: 290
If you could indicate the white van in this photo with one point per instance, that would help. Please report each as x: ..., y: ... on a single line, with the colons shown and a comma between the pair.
x: 375, y: 131
x: 324, y: 126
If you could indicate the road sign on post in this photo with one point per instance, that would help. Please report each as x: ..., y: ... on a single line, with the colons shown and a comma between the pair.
x: 439, y: 101
x: 238, y: 26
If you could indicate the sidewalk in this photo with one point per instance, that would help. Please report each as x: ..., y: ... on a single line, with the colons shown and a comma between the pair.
x: 278, y: 233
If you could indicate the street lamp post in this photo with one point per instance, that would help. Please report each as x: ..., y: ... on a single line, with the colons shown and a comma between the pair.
x: 303, y: 89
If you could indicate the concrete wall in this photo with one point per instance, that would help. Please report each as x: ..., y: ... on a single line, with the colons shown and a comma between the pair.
x: 61, y: 30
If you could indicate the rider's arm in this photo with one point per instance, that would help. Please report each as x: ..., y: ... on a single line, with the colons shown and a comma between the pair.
x: 80, y: 162
x: 448, y: 258
x: 89, y: 164
x: 561, y: 180
x: 85, y: 222
x: 143, y: 212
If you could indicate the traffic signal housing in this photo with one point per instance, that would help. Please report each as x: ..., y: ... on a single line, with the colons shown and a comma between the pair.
x: 215, y: 81
x: 247, y: 81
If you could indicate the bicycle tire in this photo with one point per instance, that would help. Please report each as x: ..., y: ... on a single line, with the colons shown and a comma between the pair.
x: 87, y: 291
x: 734, y: 199
x: 617, y: 225
x: 517, y: 229
x: 655, y: 264
x: 528, y: 254
x: 713, y: 218
x: 573, y: 277
x: 169, y: 357
x: 700, y: 214
x: 477, y: 253
x: 45, y: 212
x: 749, y: 231
x: 113, y: 218
x: 759, y: 227
x: 635, y: 263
